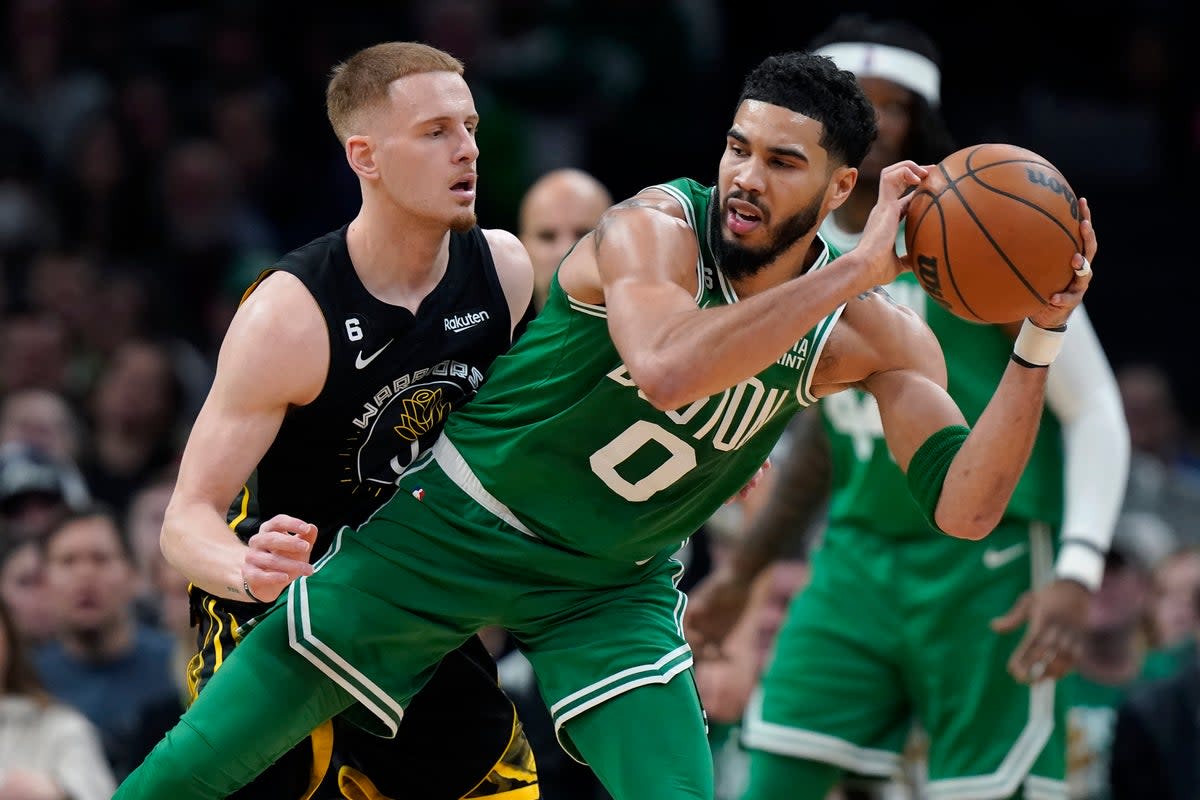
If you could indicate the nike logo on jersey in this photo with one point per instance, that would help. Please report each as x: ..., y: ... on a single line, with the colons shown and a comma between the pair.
x: 464, y: 322
x: 994, y: 559
x: 360, y: 362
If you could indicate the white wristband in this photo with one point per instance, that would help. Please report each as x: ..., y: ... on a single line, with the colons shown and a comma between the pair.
x: 1038, y: 346
x: 1080, y: 561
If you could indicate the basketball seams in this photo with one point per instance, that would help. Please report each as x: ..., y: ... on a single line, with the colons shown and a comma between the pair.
x: 946, y: 259
x: 974, y: 172
x: 936, y: 203
x: 969, y: 171
x: 987, y: 228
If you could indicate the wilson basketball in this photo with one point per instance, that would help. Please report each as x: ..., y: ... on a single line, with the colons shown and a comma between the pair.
x: 992, y: 230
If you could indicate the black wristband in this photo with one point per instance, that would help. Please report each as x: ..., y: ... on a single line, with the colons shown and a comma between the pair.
x: 1027, y: 364
x: 250, y: 594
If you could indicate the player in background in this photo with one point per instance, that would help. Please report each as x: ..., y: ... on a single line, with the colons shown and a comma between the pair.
x: 900, y: 622
x: 338, y: 369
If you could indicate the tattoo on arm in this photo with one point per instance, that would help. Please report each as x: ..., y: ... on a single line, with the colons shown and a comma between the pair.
x: 607, y: 218
x: 882, y: 292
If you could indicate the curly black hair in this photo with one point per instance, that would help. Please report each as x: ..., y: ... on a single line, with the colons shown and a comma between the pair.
x: 929, y: 139
x: 813, y: 86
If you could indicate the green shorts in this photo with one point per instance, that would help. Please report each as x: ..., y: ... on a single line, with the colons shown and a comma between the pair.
x: 894, y: 630
x: 422, y: 575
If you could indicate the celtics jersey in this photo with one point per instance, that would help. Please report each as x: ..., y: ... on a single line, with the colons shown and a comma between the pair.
x: 560, y: 434
x: 870, y: 491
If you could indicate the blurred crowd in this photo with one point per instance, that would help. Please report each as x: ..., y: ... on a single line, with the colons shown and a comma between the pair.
x: 154, y: 160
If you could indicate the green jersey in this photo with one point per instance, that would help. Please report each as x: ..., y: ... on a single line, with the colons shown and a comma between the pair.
x: 870, y: 492
x: 560, y: 434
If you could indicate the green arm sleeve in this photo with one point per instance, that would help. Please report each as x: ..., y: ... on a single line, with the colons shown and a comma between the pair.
x: 929, y: 465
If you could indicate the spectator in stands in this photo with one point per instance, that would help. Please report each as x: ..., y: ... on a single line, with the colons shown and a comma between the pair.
x: 43, y: 419
x: 103, y: 661
x: 135, y: 407
x: 143, y: 523
x: 1176, y: 581
x: 1163, y: 476
x: 35, y: 353
x: 558, y: 210
x: 35, y: 491
x: 48, y: 750
x: 1157, y: 736
x: 23, y: 591
x: 1116, y: 657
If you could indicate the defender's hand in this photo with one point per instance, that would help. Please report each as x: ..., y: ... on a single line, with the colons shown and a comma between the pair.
x: 752, y: 484
x: 1061, y: 304
x: 277, y: 555
x: 1051, y: 646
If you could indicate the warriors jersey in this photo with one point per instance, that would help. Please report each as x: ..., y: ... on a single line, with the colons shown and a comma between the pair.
x: 393, y: 379
x: 869, y: 489
x: 562, y: 435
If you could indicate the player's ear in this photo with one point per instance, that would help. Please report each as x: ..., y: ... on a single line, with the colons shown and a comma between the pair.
x: 360, y: 153
x: 841, y: 184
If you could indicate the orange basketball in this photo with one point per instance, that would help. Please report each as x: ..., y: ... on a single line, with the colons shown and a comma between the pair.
x: 991, y: 231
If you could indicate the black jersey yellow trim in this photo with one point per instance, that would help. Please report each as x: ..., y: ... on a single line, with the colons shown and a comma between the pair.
x: 261, y: 277
x: 244, y: 511
x: 514, y: 776
x: 356, y: 786
x: 523, y: 793
x: 194, y: 668
x: 218, y: 651
x: 196, y: 664
x: 322, y: 754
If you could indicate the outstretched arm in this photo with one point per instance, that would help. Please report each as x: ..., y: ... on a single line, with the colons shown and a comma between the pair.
x: 266, y: 364
x: 1082, y: 393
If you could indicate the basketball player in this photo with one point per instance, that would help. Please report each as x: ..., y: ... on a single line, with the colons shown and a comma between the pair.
x: 679, y: 339
x: 558, y: 210
x: 895, y: 623
x: 338, y: 369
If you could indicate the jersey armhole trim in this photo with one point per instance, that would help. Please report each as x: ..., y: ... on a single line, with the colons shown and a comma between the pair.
x: 689, y: 212
x: 820, y: 338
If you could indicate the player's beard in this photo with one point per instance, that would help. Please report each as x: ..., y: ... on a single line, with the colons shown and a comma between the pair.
x: 737, y: 261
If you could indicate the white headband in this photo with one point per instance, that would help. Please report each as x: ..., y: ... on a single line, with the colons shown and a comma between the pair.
x: 869, y: 60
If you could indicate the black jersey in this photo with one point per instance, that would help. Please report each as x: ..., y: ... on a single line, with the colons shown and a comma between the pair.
x: 393, y: 377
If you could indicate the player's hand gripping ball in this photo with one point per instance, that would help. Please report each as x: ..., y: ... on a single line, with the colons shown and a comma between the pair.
x: 991, y: 232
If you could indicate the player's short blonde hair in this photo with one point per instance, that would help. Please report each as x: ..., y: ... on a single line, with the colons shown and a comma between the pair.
x: 362, y: 80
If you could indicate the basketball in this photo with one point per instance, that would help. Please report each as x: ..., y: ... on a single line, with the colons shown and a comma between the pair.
x: 991, y: 231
